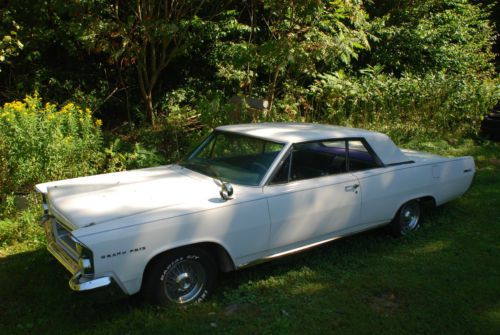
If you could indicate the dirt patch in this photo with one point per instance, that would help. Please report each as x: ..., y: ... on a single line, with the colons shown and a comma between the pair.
x: 386, y: 303
x: 494, y: 161
x: 235, y: 308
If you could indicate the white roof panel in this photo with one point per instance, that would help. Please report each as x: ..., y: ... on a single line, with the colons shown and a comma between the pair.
x: 291, y: 132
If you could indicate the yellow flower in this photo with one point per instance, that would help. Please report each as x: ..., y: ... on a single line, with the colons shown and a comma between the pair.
x: 16, y: 105
x: 68, y: 107
x: 32, y: 101
x: 98, y: 122
x: 49, y: 106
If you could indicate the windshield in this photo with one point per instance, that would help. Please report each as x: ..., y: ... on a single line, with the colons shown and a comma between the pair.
x: 234, y: 158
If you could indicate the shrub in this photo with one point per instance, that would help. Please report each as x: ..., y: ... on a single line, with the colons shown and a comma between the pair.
x: 45, y: 142
x: 188, y: 114
x: 428, y: 35
x: 121, y: 156
x: 435, y: 105
x: 24, y: 227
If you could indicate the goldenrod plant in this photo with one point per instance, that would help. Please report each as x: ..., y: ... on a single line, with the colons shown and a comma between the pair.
x: 44, y: 141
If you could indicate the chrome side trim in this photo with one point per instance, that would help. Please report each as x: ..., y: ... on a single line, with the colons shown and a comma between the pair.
x: 79, y: 283
x: 343, y: 233
x: 299, y: 249
x: 287, y: 252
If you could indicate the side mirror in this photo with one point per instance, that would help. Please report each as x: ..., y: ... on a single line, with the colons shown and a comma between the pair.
x: 226, y: 191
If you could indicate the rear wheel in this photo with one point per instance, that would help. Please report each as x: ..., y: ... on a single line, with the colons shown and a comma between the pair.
x: 407, y: 219
x: 182, y: 277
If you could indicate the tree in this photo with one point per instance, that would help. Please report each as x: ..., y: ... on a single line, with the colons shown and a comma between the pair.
x: 280, y: 46
x: 147, y: 34
x: 10, y: 45
x: 454, y: 36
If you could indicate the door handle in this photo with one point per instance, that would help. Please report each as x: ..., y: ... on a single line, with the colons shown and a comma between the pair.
x: 351, y: 188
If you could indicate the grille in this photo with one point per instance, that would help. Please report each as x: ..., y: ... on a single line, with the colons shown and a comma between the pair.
x: 63, y: 238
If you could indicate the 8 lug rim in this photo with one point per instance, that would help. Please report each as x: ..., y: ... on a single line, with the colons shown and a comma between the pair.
x: 184, y: 281
x: 409, y: 217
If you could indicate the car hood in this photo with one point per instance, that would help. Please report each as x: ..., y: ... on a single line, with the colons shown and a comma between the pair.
x: 94, y: 200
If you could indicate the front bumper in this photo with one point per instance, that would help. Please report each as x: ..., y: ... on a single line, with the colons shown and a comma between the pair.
x: 77, y: 282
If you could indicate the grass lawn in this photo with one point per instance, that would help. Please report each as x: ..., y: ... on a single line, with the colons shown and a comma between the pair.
x: 443, y: 279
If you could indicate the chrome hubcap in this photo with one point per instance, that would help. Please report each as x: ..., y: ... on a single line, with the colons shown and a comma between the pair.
x: 184, y: 281
x: 409, y: 217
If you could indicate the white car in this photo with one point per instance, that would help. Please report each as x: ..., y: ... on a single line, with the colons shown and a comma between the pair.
x: 168, y: 230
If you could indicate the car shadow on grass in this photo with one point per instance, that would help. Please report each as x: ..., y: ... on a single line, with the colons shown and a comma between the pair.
x: 34, y: 295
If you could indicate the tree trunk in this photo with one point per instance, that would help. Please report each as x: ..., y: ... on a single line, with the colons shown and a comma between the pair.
x: 147, y: 94
x: 148, y: 101
x: 272, y: 90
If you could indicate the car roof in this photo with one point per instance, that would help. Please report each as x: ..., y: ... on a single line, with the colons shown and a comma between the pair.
x: 290, y: 132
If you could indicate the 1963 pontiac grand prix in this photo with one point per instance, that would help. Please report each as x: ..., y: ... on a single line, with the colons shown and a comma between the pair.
x: 168, y: 230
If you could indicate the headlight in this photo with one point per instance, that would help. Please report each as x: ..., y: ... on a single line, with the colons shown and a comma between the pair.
x: 85, y: 259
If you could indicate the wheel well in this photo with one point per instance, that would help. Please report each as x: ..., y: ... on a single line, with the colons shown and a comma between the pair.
x: 218, y: 252
x: 428, y: 200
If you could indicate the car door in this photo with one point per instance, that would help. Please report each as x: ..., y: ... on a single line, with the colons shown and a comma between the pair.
x: 382, y: 187
x: 312, y: 196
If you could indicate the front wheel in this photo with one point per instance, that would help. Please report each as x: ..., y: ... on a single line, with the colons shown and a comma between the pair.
x: 407, y: 219
x: 182, y: 277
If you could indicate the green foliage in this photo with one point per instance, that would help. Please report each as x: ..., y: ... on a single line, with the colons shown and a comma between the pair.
x: 192, y: 105
x: 436, y: 105
x: 121, y: 156
x: 53, y: 60
x: 145, y: 34
x: 23, y: 228
x: 10, y: 45
x: 411, y: 69
x: 285, y: 45
x: 110, y: 55
x: 185, y: 117
x: 46, y: 142
x: 434, y: 35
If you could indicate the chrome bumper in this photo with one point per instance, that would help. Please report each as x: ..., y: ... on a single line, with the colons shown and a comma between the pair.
x: 77, y: 282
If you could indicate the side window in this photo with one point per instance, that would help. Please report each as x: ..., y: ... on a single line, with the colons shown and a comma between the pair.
x: 338, y: 152
x: 317, y: 159
x: 359, y: 157
x: 281, y: 177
